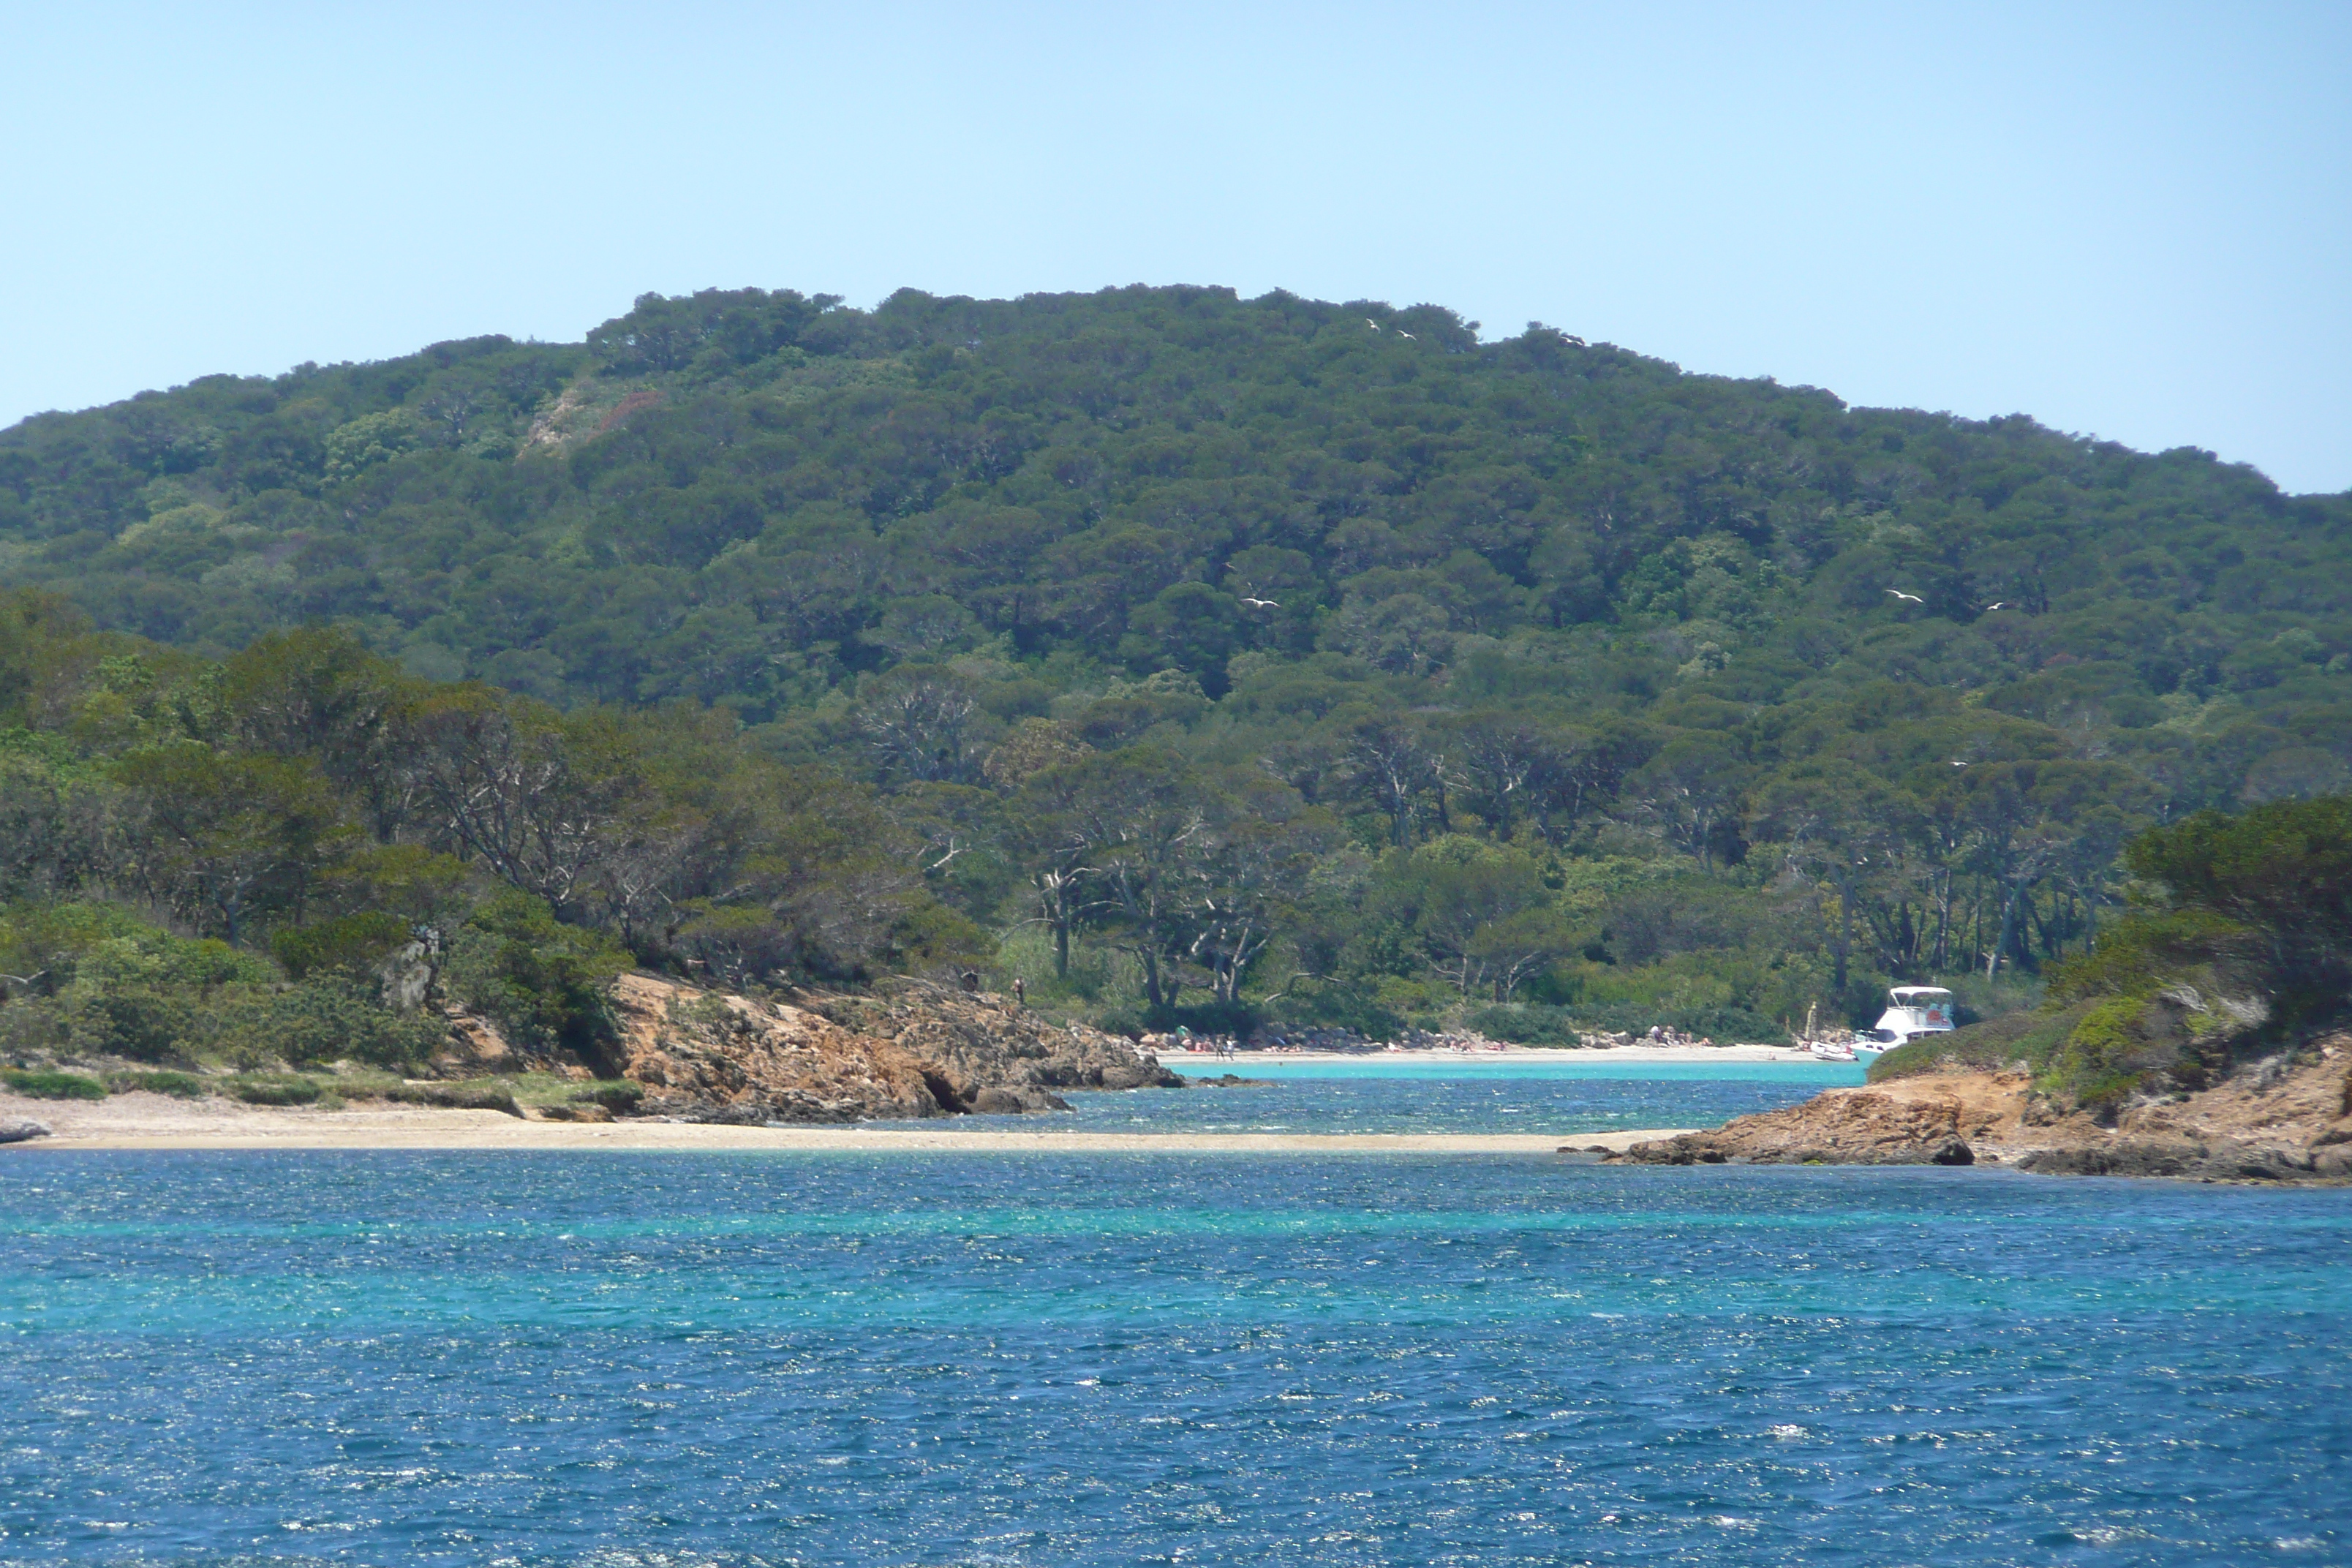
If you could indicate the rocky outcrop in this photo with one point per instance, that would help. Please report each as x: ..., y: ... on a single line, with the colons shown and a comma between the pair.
x: 921, y: 1051
x: 708, y: 1055
x: 22, y: 1130
x: 2287, y: 1118
x: 979, y: 1040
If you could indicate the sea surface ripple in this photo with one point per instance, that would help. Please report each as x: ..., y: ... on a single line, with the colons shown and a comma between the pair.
x: 1158, y: 1358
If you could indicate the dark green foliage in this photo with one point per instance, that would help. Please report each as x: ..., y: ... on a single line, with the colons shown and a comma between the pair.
x: 52, y: 1085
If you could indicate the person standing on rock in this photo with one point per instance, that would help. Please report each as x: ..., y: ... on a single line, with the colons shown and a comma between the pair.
x: 1020, y: 991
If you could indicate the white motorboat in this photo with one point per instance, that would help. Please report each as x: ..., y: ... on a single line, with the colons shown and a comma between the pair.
x: 1911, y: 1011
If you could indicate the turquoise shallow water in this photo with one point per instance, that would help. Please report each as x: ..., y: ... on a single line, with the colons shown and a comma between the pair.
x: 541, y: 1359
x: 1456, y: 1094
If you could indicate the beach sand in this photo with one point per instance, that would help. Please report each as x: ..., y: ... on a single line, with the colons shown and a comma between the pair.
x: 156, y: 1121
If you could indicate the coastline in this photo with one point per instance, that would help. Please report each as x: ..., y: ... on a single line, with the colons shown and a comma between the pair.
x: 145, y: 1121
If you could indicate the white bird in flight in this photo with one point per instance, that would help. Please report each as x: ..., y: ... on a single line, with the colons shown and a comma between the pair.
x: 1371, y: 323
x: 1996, y: 605
x: 1908, y: 598
x: 1407, y: 336
x: 1262, y: 603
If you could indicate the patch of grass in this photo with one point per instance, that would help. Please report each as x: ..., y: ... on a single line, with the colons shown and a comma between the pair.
x: 41, y: 1085
x: 180, y: 1085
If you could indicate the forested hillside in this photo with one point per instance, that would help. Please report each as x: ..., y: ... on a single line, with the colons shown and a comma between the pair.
x: 1178, y: 648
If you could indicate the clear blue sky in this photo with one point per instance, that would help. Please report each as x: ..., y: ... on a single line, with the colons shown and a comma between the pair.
x: 2129, y: 220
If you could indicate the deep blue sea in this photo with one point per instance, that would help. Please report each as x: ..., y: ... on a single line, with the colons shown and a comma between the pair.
x: 1159, y: 1358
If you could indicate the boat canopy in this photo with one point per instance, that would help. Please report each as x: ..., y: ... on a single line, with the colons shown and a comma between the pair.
x: 1918, y: 991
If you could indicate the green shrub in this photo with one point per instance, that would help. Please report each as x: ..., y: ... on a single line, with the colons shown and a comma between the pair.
x: 180, y: 1085
x: 274, y: 1090
x: 143, y: 1022
x: 52, y: 1085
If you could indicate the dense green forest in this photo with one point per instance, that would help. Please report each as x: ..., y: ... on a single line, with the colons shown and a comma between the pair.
x: 1180, y: 653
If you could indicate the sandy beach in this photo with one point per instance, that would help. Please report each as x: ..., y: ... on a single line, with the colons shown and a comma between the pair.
x: 156, y: 1121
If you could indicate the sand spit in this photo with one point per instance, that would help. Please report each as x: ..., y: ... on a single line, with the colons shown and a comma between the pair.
x: 154, y: 1121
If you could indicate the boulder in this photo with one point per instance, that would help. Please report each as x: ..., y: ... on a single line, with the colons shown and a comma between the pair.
x: 22, y: 1130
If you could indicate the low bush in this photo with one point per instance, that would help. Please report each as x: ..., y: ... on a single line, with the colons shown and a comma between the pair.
x: 457, y: 1096
x: 52, y: 1085
x: 180, y: 1085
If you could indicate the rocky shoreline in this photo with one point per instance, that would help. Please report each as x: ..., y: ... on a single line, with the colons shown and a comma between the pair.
x: 2286, y: 1118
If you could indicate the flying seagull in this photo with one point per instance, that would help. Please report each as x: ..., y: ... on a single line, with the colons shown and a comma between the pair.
x: 1371, y: 323
x: 1262, y: 603
x: 1407, y: 336
x: 1907, y: 598
x: 1572, y: 338
x: 1995, y: 605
